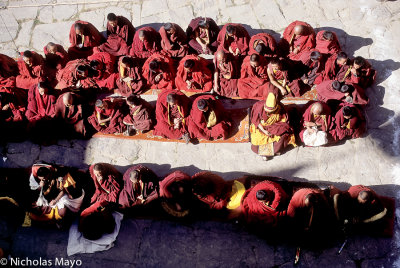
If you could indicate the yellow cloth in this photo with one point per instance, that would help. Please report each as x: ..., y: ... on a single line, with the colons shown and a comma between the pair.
x: 348, y: 125
x: 238, y: 190
x: 287, y: 87
x: 258, y: 137
x: 69, y: 181
x: 212, y: 119
x: 98, y: 115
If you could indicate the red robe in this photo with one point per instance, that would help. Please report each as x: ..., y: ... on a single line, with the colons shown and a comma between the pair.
x: 113, y: 111
x: 136, y: 85
x: 240, y: 41
x: 315, y: 72
x: 253, y: 82
x: 266, y: 39
x: 57, y: 60
x: 327, y: 47
x: 40, y: 106
x: 255, y: 211
x: 67, y: 77
x: 333, y: 71
x: 168, y: 72
x: 201, y: 76
x: 105, y: 68
x: 193, y: 31
x: 197, y: 122
x: 141, y: 116
x: 16, y: 110
x: 295, y: 85
x: 169, y: 180
x: 304, y: 42
x: 228, y: 87
x: 325, y: 120
x: 124, y: 29
x: 355, y: 126
x: 91, y: 38
x: 326, y: 93
x: 30, y: 75
x: 8, y: 71
x: 144, y: 49
x: 165, y: 115
x: 365, y: 77
x: 174, y: 45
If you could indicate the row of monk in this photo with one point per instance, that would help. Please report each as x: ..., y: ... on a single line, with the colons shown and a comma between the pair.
x: 58, y: 194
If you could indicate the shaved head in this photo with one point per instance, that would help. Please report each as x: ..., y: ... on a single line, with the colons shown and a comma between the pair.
x: 68, y: 99
x: 299, y: 29
x: 317, y: 108
x: 220, y: 55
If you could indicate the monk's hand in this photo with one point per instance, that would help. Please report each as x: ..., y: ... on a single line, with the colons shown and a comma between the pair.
x: 305, y: 81
x: 283, y: 91
x: 5, y: 107
x: 343, y: 126
x: 41, y: 183
x: 127, y: 79
x: 158, y: 78
x: 188, y: 84
x: 296, y: 50
x: 52, y: 202
x: 237, y: 52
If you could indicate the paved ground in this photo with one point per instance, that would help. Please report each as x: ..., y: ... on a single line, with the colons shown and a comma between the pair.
x: 365, y: 27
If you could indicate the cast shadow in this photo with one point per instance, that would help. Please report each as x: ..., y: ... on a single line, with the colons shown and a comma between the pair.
x: 384, y: 69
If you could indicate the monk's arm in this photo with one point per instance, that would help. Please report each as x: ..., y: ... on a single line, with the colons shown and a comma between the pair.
x: 274, y: 81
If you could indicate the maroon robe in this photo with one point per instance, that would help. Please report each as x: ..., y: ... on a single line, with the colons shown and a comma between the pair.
x: 365, y: 76
x: 113, y: 111
x: 141, y: 116
x: 333, y: 71
x: 167, y: 69
x: 30, y: 75
x: 325, y: 46
x: 175, y: 176
x: 315, y: 71
x: 68, y: 78
x: 91, y: 38
x: 144, y: 49
x: 197, y: 121
x: 165, y: 115
x: 174, y: 45
x: 240, y: 40
x: 326, y: 92
x: 228, y: 87
x: 8, y: 71
x: 136, y: 85
x: 15, y: 112
x: 200, y: 76
x: 324, y: 124
x: 295, y: 84
x: 40, y: 106
x: 124, y: 29
x: 105, y: 69
x: 211, y: 34
x: 57, y: 60
x: 353, y: 128
x: 263, y: 38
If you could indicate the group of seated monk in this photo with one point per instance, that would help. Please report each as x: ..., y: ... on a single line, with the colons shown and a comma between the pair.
x: 59, y: 192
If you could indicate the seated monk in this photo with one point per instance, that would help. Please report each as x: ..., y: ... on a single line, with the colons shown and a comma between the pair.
x: 108, y: 184
x: 202, y: 34
x: 264, y: 204
x: 358, y: 205
x: 11, y: 110
x: 234, y: 38
x: 141, y: 186
x: 350, y: 123
x: 41, y: 103
x: 327, y: 43
x: 173, y: 40
x: 56, y: 56
x: 140, y: 117
x: 120, y: 32
x: 362, y: 73
x: 298, y: 38
x: 70, y: 115
x: 31, y: 70
x: 103, y: 64
x: 83, y: 37
x: 333, y: 90
x: 8, y: 72
x: 317, y: 123
x: 283, y: 78
x: 146, y: 42
x: 270, y: 131
x: 159, y: 72
x: 263, y: 44
x: 107, y: 117
x: 193, y: 75
x: 338, y: 67
x: 208, y: 119
x: 226, y: 75
x: 176, y: 194
x: 172, y: 110
x: 253, y: 82
x: 129, y: 79
x: 315, y: 68
x: 77, y: 74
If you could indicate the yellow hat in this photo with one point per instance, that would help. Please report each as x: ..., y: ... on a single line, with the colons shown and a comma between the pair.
x: 270, y: 103
x: 238, y: 190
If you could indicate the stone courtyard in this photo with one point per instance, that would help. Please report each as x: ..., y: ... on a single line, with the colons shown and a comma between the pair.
x: 367, y: 28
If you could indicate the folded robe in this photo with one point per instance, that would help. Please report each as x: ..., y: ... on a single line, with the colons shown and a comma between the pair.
x: 200, y: 75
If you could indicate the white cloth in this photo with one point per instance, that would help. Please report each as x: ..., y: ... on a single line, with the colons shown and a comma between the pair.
x: 73, y: 205
x: 78, y: 244
x: 33, y: 183
x: 315, y: 137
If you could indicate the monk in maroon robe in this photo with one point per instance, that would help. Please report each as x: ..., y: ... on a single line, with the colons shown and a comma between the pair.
x: 338, y: 67
x: 8, y: 71
x: 264, y: 203
x: 120, y: 26
x: 327, y: 42
x: 146, y: 42
x: 362, y: 73
x: 173, y: 40
x: 208, y: 119
x: 226, y: 75
x: 108, y: 116
x: 76, y: 74
x: 141, y: 186
x: 83, y: 37
x: 172, y: 110
x: 159, y: 72
x: 315, y: 67
x: 31, y: 70
x: 202, y: 34
x: 41, y: 103
x: 263, y: 44
x: 193, y: 75
x: 140, y: 117
x: 129, y: 79
x: 298, y: 38
x: 350, y: 123
x: 11, y: 109
x: 104, y: 65
x: 234, y: 38
x: 333, y: 90
x: 254, y: 82
x: 56, y: 56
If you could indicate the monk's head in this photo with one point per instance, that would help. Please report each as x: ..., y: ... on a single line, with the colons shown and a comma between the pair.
x: 220, y: 55
x: 134, y: 176
x: 112, y: 19
x: 126, y: 62
x: 327, y: 36
x: 231, y: 30
x: 336, y: 85
x: 169, y: 28
x: 346, y: 89
x: 300, y: 30
x: 315, y: 56
x: 180, y: 189
x: 154, y: 66
x: 358, y: 62
x: 188, y: 65
x: 311, y: 200
x: 28, y: 57
x: 142, y: 35
x: 51, y: 48
x: 94, y: 64
x: 101, y: 104
x: 42, y: 88
x: 99, y: 171
x: 133, y: 100
x: 202, y: 105
x: 270, y: 104
x: 261, y: 48
x: 276, y: 64
x: 68, y: 99
x: 341, y: 58
x: 265, y: 196
x: 317, y: 109
x: 255, y: 60
x: 82, y: 71
x: 364, y: 197
x: 79, y: 28
x: 172, y: 99
x: 348, y: 112
x: 204, y: 24
x: 43, y: 173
